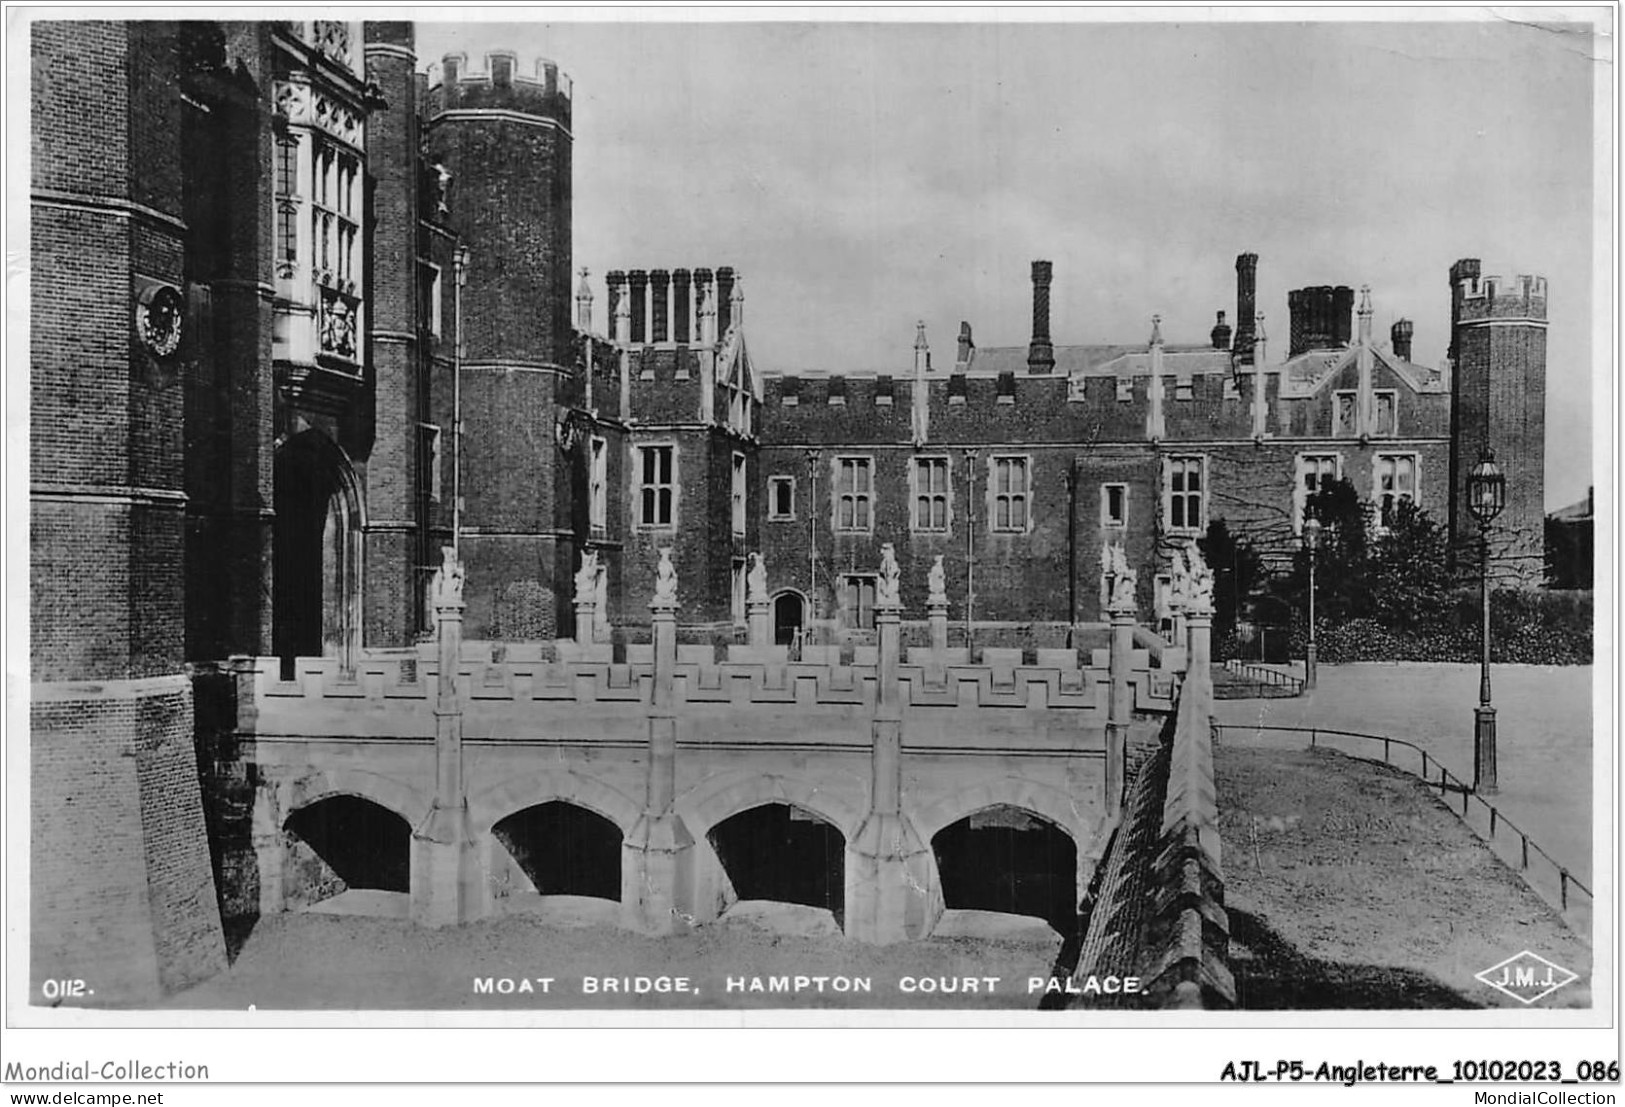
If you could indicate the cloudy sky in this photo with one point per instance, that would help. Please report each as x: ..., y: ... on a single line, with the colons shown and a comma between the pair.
x: 865, y: 175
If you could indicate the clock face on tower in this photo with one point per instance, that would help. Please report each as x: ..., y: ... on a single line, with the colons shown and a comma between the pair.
x: 158, y: 316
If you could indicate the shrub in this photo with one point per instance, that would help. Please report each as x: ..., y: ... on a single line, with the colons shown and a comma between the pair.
x: 1526, y: 628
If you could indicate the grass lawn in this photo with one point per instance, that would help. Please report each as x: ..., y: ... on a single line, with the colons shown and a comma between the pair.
x: 1544, y: 736
x: 1349, y: 885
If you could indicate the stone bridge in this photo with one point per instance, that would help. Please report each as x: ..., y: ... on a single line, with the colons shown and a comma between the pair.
x: 872, y: 784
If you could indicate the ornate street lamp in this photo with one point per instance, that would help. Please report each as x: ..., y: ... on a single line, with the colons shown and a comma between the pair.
x: 1312, y: 531
x: 1486, y: 496
x: 970, y: 554
x: 459, y: 269
x: 810, y: 616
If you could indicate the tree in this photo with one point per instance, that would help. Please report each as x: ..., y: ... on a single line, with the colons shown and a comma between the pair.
x: 1237, y: 570
x: 1342, y: 563
x: 1398, y: 575
x: 1410, y: 579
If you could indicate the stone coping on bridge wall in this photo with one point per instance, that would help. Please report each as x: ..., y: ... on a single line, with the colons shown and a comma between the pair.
x: 1158, y: 911
x: 1148, y: 653
x: 382, y: 678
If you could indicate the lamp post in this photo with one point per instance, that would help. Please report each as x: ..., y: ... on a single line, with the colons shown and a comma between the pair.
x: 1312, y: 530
x: 809, y: 616
x: 459, y: 269
x: 1486, y: 496
x: 970, y: 555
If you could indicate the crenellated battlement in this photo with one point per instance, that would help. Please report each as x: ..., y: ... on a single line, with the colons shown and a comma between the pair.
x: 1482, y: 296
x: 507, y: 692
x: 502, y: 86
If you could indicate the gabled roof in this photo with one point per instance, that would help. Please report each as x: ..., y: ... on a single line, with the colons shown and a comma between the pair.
x: 1310, y: 371
x: 1419, y: 377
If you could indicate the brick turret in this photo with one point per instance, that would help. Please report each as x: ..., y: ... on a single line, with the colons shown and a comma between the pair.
x: 1498, y: 390
x: 504, y: 137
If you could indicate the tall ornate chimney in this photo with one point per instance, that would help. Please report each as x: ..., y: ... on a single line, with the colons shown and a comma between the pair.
x: 1041, y: 352
x: 1246, y: 306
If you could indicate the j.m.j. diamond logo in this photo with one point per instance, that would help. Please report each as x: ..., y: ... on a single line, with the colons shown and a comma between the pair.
x: 1527, y: 977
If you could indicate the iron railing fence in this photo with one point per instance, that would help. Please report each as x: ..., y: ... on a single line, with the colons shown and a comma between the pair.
x: 1264, y: 674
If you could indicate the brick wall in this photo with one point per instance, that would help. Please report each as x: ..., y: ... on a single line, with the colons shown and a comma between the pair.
x: 393, y: 549
x: 1023, y: 577
x: 122, y: 895
x: 701, y: 537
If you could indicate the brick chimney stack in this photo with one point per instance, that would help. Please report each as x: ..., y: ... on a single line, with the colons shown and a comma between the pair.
x: 1246, y: 306
x: 705, y: 308
x: 659, y: 317
x: 966, y: 345
x: 725, y: 300
x: 1041, y: 352
x: 682, y: 315
x: 1220, y: 334
x: 1401, y: 333
x: 1321, y: 318
x: 615, y: 281
x: 1342, y: 314
x: 639, y: 280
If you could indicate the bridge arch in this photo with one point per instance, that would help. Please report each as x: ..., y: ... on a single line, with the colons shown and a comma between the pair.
x: 1032, y: 853
x: 337, y: 830
x: 388, y: 793
x: 511, y: 796
x: 1079, y: 820
x: 718, y: 797
x: 731, y: 814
